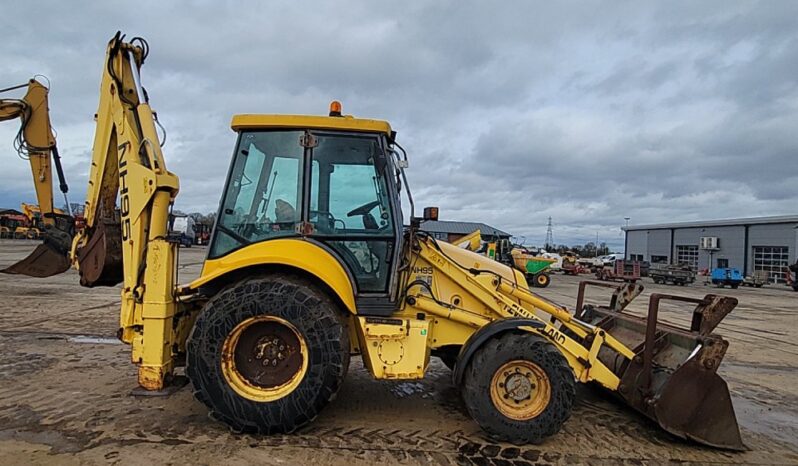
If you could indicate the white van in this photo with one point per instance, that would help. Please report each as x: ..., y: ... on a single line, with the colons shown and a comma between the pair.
x: 610, y: 259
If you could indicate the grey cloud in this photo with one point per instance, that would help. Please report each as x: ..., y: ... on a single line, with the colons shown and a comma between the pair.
x: 512, y: 112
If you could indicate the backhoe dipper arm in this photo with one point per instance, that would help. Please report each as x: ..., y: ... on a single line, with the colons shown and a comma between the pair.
x: 36, y: 143
x: 35, y: 140
x: 130, y: 245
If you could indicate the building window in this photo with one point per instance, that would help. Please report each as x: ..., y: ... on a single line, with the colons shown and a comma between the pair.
x: 659, y: 259
x: 723, y: 263
x: 687, y: 255
x: 636, y: 257
x: 771, y: 259
x: 438, y: 235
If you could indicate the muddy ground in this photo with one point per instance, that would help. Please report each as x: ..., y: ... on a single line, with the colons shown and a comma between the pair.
x: 65, y: 383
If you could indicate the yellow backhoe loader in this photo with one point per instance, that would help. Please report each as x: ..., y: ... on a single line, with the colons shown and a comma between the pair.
x: 310, y: 264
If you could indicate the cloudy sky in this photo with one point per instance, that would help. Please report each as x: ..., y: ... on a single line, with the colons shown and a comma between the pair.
x: 511, y: 111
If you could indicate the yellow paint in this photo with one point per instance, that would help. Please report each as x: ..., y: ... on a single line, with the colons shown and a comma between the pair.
x: 396, y: 349
x: 471, y: 241
x: 345, y: 123
x: 37, y: 133
x: 520, y: 390
x: 296, y: 253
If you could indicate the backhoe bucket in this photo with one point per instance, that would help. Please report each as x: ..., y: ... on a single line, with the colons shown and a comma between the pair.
x: 673, y: 377
x: 48, y: 259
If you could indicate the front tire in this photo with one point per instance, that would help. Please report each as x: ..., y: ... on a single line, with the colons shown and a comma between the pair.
x: 541, y: 280
x: 267, y: 354
x: 519, y: 388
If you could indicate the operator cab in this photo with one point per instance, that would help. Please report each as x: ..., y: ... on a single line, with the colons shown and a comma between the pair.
x: 329, y: 180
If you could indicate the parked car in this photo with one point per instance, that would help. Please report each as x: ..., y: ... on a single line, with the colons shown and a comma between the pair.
x: 610, y: 259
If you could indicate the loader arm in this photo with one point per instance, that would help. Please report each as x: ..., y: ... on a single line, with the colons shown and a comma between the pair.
x: 502, y: 298
x: 667, y: 373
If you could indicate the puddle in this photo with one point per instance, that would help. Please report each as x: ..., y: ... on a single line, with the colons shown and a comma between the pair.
x: 404, y: 389
x: 774, y: 422
x: 94, y: 340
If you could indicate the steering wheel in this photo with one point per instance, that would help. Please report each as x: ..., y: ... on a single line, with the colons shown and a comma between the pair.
x: 364, y: 209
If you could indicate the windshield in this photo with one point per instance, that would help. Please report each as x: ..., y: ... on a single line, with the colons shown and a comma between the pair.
x: 263, y: 192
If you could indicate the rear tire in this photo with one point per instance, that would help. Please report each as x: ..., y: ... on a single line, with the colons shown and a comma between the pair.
x: 519, y: 388
x: 242, y: 389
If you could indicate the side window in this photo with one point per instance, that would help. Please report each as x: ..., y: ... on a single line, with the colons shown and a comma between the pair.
x: 262, y: 199
x: 353, y: 188
x: 248, y: 183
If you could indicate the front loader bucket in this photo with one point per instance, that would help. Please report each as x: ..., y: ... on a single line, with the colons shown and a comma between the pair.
x: 673, y: 377
x: 48, y: 259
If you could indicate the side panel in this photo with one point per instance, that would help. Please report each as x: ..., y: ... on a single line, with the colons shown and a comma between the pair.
x: 296, y: 253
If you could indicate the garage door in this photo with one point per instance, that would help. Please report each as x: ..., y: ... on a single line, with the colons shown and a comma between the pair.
x: 772, y: 259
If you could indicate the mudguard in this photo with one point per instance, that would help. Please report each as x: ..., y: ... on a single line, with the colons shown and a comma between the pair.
x: 299, y: 254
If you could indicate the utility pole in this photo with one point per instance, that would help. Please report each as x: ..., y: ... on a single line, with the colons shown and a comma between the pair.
x: 549, y: 244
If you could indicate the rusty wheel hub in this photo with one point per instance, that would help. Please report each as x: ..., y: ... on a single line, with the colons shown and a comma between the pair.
x: 267, y: 354
x: 264, y: 358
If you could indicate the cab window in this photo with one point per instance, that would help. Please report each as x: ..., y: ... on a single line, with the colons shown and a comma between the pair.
x: 263, y: 196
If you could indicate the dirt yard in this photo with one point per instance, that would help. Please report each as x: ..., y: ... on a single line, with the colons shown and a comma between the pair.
x: 65, y: 383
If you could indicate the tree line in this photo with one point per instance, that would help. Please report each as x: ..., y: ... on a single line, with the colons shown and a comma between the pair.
x: 585, y: 250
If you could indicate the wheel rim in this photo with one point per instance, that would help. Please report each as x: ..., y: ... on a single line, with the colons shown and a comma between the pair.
x: 542, y: 279
x: 520, y: 390
x: 264, y: 358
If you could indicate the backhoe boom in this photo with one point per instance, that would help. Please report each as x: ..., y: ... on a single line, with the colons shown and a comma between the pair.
x: 130, y: 245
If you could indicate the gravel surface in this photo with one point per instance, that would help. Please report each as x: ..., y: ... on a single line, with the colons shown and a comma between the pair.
x: 65, y: 383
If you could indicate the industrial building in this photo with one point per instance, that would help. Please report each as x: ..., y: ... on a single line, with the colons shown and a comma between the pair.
x: 749, y: 244
x: 451, y: 231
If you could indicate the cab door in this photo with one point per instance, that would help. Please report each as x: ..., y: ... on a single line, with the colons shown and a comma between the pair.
x: 353, y: 209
